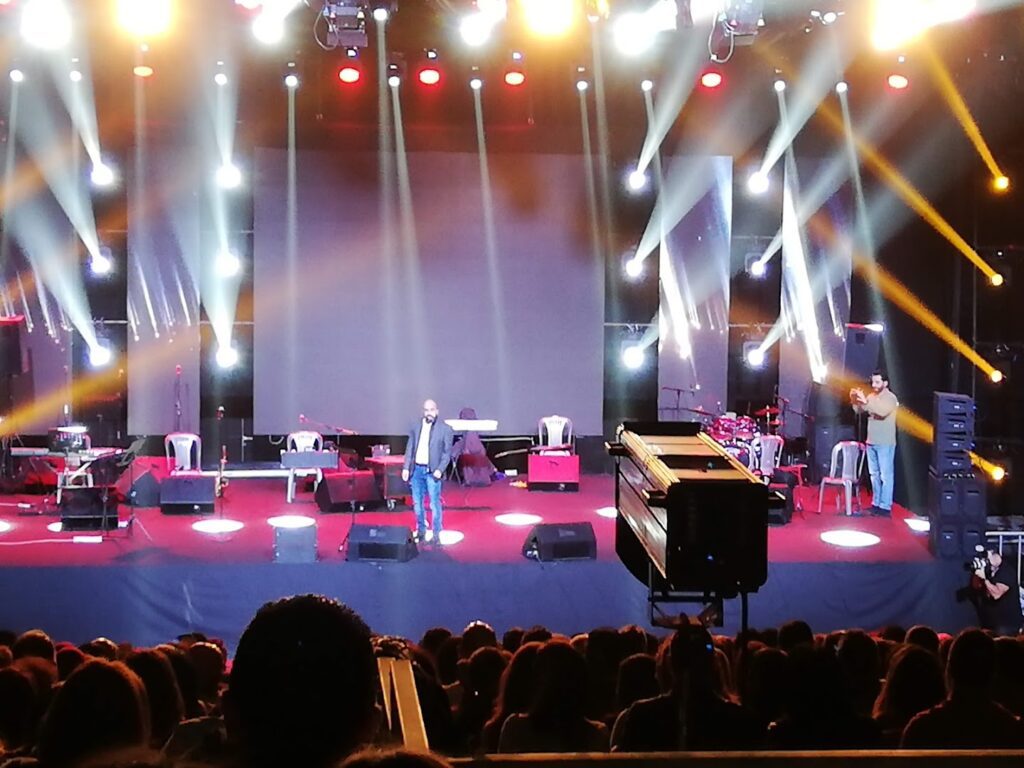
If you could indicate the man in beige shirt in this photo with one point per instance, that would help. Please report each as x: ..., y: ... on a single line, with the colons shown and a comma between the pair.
x: 880, y: 406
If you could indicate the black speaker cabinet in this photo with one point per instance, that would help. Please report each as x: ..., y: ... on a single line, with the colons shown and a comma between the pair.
x: 955, y: 540
x: 189, y: 495
x: 12, y: 358
x: 560, y: 541
x: 381, y: 543
x: 344, y: 491
x: 88, y: 509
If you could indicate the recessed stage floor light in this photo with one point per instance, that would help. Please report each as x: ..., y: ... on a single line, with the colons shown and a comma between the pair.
x: 291, y: 81
x: 349, y: 75
x: 291, y: 521
x: 56, y: 527
x: 217, y: 525
x: 515, y: 519
x: 75, y: 76
x: 845, y: 537
x: 5, y: 526
x: 842, y: 87
x: 609, y: 512
x: 394, y: 81
x: 380, y: 14
x: 918, y: 524
x: 779, y: 85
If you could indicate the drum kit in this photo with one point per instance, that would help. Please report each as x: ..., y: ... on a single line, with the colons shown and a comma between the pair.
x: 739, y: 434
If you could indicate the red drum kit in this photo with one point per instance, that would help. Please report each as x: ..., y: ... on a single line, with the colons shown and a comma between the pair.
x: 740, y: 435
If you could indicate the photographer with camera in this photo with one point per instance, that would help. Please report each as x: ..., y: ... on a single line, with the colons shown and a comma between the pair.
x: 996, y: 590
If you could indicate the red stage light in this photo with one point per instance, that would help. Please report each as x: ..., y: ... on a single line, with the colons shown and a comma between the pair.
x: 349, y: 75
x: 515, y: 78
x: 430, y: 76
x: 898, y: 82
x: 711, y: 79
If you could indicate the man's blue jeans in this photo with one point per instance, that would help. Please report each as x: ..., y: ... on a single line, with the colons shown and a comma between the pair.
x: 422, y: 483
x: 880, y: 466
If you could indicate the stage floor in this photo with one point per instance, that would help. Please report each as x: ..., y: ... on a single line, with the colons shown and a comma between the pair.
x: 163, y: 578
x: 475, y: 514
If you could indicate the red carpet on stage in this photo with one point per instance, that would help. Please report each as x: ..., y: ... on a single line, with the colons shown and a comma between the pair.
x: 162, y: 539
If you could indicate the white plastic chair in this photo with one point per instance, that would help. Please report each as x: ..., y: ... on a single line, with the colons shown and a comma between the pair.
x: 769, y: 451
x: 845, y: 471
x: 184, y: 451
x: 305, y: 440
x: 555, y: 432
x: 75, y: 474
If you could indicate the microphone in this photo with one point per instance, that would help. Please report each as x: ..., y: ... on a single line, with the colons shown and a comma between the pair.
x: 302, y: 418
x: 220, y: 413
x: 177, y: 370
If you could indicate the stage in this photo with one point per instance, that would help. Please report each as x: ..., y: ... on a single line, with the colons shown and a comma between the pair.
x: 160, y: 578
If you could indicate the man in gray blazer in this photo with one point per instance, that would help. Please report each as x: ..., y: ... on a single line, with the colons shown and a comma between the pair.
x: 426, y: 458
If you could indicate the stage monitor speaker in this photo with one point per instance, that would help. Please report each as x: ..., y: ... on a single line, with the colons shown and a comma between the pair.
x: 344, y: 491
x: 392, y: 543
x: 88, y: 509
x: 295, y: 545
x: 187, y: 495
x: 139, y: 485
x: 560, y: 541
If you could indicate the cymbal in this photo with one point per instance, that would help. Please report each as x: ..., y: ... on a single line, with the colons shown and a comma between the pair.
x: 768, y: 410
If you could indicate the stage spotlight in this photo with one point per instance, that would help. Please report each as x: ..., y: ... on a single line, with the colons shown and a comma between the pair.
x: 548, y: 18
x: 102, y: 175
x: 996, y: 280
x: 779, y: 86
x: 101, y: 263
x: 475, y: 29
x: 996, y: 376
x: 100, y: 355
x: 227, y: 357
x: 75, y: 76
x: 755, y: 357
x: 634, y: 268
x: 227, y: 264
x: 758, y: 183
x: 144, y: 18
x: 829, y: 17
x: 349, y: 75
x: 46, y: 24
x: 1001, y: 183
x: 646, y: 86
x: 220, y: 79
x: 582, y: 85
x: 633, y: 356
x: 636, y: 180
x: 875, y: 327
x: 757, y: 268
x: 842, y: 87
x: 228, y: 176
x: 5, y: 526
x: 394, y: 81
x: 898, y: 82
x: 711, y: 79
x: 380, y: 15
x: 291, y: 80
x: 633, y: 34
x: 17, y: 76
x: 997, y: 473
x: 515, y: 78
x: 429, y: 76
x: 476, y: 83
x: 268, y: 28
x: 142, y: 70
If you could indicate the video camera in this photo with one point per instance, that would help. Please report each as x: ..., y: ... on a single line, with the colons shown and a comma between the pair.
x: 980, y: 559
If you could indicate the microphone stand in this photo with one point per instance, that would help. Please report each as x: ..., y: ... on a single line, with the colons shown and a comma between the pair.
x: 177, y: 398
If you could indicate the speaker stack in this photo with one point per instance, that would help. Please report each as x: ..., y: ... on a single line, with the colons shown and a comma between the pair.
x: 956, y: 495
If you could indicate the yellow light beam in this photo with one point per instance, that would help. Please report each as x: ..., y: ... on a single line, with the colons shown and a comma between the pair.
x: 902, y: 297
x: 907, y: 191
x: 963, y: 114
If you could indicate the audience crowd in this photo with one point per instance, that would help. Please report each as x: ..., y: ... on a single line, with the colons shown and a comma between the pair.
x: 303, y: 689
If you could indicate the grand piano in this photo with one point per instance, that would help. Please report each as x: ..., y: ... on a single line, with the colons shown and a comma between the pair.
x: 692, y: 521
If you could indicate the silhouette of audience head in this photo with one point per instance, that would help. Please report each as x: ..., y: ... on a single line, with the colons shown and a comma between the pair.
x: 636, y: 680
x: 34, y: 643
x: 913, y: 684
x: 17, y: 703
x: 69, y: 659
x: 100, y: 707
x: 303, y: 685
x: 794, y: 633
x: 512, y: 639
x: 477, y: 634
x: 101, y: 648
x: 972, y: 660
x: 691, y: 655
x: 925, y: 637
x: 166, y: 707
x: 433, y: 638
x: 560, y: 674
x: 209, y: 662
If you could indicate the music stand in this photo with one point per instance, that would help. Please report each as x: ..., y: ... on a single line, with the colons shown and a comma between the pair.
x: 127, y: 460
